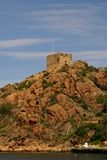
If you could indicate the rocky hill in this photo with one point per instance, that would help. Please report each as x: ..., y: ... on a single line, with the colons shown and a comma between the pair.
x: 55, y: 109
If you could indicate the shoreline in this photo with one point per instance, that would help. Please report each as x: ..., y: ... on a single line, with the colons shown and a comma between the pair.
x: 76, y: 149
x: 90, y: 150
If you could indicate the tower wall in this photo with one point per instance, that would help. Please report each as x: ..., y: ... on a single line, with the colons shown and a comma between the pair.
x: 59, y: 58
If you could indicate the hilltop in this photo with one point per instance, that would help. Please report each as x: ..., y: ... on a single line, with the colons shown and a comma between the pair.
x: 63, y: 106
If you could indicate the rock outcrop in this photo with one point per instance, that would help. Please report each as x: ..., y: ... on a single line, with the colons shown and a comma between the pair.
x: 53, y: 110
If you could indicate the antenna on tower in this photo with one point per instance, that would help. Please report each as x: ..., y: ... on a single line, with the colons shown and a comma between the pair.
x: 52, y: 46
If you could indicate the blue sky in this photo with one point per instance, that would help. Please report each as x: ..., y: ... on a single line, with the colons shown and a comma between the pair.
x: 29, y: 29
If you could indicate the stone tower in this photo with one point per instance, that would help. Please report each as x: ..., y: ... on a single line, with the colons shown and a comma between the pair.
x: 59, y: 58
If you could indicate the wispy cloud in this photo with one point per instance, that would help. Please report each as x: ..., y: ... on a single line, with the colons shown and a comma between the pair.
x: 91, y: 55
x: 95, y: 58
x: 24, y: 55
x: 83, y: 55
x: 24, y: 42
x: 81, y: 19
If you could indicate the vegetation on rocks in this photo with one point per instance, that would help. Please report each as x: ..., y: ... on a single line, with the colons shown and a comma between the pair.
x: 46, y: 84
x: 55, y: 108
x: 25, y: 84
x: 5, y: 109
x: 102, y: 99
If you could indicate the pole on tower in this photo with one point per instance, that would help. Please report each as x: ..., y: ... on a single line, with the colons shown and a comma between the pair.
x: 52, y: 46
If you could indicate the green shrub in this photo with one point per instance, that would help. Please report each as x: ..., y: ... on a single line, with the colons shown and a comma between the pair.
x: 102, y: 99
x: 3, y: 89
x: 53, y: 100
x: 86, y: 70
x: 5, y: 94
x: 4, y: 133
x: 46, y: 84
x: 46, y: 73
x: 104, y: 116
x: 92, y: 69
x: 32, y: 76
x: 24, y: 85
x: 73, y: 122
x: 63, y: 69
x: 65, y: 137
x: 5, y: 109
x: 81, y: 131
x: 81, y: 102
x: 98, y: 128
x: 99, y: 133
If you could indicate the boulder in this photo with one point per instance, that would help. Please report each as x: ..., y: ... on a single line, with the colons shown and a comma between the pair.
x: 105, y: 143
x: 57, y: 112
x: 12, y: 98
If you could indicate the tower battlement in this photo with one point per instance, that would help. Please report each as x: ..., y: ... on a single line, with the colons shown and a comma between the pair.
x: 59, y: 58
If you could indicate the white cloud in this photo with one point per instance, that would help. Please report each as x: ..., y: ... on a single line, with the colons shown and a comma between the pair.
x: 23, y: 55
x: 24, y: 42
x: 81, y: 19
x: 95, y: 58
x: 92, y: 55
x: 85, y: 55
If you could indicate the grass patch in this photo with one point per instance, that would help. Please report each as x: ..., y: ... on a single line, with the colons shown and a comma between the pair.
x: 46, y: 73
x: 4, y: 133
x: 25, y: 85
x: 102, y: 99
x: 5, y: 94
x: 6, y: 109
x: 86, y: 70
x: 63, y: 69
x: 73, y: 122
x: 46, y: 84
x: 81, y: 102
x: 53, y: 100
x: 99, y: 135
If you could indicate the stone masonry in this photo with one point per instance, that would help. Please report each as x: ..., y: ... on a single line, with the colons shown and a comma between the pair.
x: 59, y: 58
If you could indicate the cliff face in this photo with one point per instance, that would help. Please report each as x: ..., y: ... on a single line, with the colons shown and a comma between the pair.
x: 53, y: 109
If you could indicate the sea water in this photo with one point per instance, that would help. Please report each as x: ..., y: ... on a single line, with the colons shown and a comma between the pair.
x: 52, y: 156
